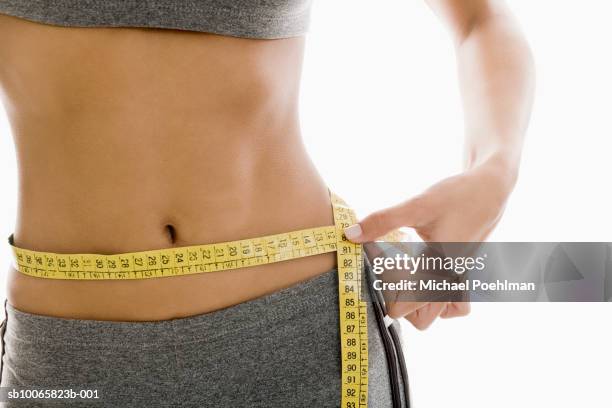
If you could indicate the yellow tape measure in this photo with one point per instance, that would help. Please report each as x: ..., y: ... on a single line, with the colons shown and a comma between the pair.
x: 353, y: 312
x: 239, y: 254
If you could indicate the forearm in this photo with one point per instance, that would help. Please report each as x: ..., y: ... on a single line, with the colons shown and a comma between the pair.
x: 496, y: 74
x: 497, y: 79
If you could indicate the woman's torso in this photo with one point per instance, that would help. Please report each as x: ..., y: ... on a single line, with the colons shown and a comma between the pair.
x: 122, y: 132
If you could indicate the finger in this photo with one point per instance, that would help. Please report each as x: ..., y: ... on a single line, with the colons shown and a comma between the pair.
x: 401, y: 309
x: 444, y: 310
x: 381, y: 222
x: 423, y: 318
x: 456, y: 309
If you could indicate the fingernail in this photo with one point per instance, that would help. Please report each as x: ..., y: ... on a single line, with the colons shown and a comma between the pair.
x: 353, y: 232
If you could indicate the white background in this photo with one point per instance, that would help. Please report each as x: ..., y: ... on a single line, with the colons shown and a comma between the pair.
x: 380, y: 85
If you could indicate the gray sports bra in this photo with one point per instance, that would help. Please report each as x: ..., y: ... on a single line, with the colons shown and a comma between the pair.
x: 238, y: 18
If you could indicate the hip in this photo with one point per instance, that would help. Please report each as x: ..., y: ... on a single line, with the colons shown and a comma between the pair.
x: 277, y: 350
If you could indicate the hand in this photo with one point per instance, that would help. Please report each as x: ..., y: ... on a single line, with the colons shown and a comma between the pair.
x: 423, y: 314
x: 462, y: 208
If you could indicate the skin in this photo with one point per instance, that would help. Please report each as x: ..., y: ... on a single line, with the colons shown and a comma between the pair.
x: 120, y: 133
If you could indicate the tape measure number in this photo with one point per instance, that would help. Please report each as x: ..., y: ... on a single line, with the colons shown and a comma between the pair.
x: 353, y: 312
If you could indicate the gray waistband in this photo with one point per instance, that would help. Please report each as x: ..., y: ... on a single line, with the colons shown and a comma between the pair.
x: 316, y: 295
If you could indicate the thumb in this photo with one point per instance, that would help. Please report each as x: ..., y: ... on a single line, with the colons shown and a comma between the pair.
x: 381, y: 222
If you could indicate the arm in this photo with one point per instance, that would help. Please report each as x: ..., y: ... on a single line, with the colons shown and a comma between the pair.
x: 496, y: 74
x: 497, y: 81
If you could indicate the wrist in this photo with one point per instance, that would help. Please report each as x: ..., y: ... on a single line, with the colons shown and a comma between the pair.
x: 503, y: 166
x: 502, y: 162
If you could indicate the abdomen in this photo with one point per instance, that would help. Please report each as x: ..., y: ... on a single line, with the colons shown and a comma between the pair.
x: 135, y: 139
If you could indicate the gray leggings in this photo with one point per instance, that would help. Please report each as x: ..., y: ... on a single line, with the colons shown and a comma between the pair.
x: 280, y: 350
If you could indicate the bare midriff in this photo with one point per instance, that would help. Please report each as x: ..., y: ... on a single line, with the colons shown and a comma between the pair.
x: 131, y: 139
